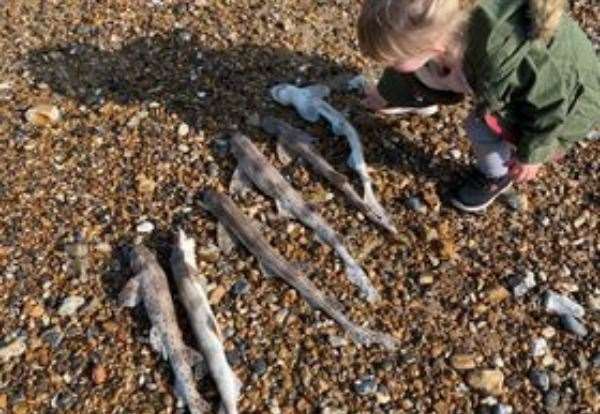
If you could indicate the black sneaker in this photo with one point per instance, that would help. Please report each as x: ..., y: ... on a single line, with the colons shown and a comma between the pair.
x: 479, y: 191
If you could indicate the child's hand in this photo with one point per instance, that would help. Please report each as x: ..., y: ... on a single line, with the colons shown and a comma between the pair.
x: 523, y: 172
x: 373, y: 100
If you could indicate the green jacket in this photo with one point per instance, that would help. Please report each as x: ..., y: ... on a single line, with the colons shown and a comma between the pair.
x: 548, y: 93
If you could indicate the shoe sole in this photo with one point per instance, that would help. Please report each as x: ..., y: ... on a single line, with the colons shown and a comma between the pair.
x: 477, y: 209
x: 425, y: 111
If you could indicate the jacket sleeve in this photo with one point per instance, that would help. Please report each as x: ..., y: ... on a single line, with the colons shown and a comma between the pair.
x: 538, y: 106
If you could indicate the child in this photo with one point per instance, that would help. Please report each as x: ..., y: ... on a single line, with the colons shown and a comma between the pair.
x: 533, y: 74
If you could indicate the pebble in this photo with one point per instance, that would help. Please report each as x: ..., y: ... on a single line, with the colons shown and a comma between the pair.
x: 463, y: 361
x: 539, y: 347
x: 53, y: 337
x: 253, y: 120
x: 183, y: 148
x: 43, y: 115
x: 13, y: 349
x: 426, y: 279
x: 358, y: 83
x: 594, y: 302
x: 222, y: 147
x: 145, y: 227
x: 551, y: 398
x: 502, y: 409
x: 337, y: 341
x: 571, y: 324
x: 99, y: 374
x: 259, y: 367
x: 70, y: 305
x: 596, y: 360
x: 497, y: 295
x: 209, y: 254
x: 241, y: 287
x: 217, y: 294
x: 522, y: 285
x: 539, y: 379
x: 365, y: 386
x: 183, y: 130
x: 516, y: 201
x: 383, y: 395
x: 548, y: 332
x: 488, y: 381
x: 333, y: 410
x: 562, y: 305
x: 415, y: 204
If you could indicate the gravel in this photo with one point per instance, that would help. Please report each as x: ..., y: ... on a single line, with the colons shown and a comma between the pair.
x: 124, y: 79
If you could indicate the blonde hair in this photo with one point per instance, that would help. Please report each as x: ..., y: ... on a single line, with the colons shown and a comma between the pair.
x: 392, y: 30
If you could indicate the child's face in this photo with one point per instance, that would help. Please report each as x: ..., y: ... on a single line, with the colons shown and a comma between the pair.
x: 415, y: 63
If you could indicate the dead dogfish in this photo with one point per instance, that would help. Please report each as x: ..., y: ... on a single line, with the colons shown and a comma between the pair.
x: 310, y: 104
x: 252, y: 165
x: 150, y: 286
x: 191, y: 286
x: 230, y: 216
x: 295, y: 142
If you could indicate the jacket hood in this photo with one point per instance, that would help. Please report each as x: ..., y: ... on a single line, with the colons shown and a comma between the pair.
x: 545, y: 16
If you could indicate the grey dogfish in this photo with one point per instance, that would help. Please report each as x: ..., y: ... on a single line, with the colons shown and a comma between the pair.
x: 310, y: 104
x: 273, y: 264
x: 253, y: 166
x: 292, y: 142
x: 191, y: 285
x: 150, y: 285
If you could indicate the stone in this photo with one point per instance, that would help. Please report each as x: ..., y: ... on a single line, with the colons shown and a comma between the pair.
x: 183, y: 148
x: 426, y: 280
x: 502, y: 409
x: 539, y: 379
x: 43, y: 115
x: 99, y: 374
x: 521, y: 285
x: 183, y: 130
x: 561, y: 305
x: 487, y: 381
x: 415, y: 204
x: 209, y: 254
x: 539, y: 347
x: 596, y: 360
x: 548, y: 332
x: 463, y: 361
x: 70, y: 305
x: 497, y: 295
x: 516, y: 201
x: 145, y: 227
x: 571, y: 324
x: 594, y: 302
x: 13, y: 349
x: 217, y: 294
x: 241, y: 287
x: 259, y: 367
x: 551, y: 399
x: 365, y: 385
x: 3, y: 401
x: 383, y: 395
x: 53, y: 337
x: 337, y: 341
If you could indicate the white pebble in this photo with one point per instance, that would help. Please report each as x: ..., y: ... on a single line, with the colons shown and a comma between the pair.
x: 145, y: 227
x: 183, y: 129
x: 539, y: 347
x: 70, y: 305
